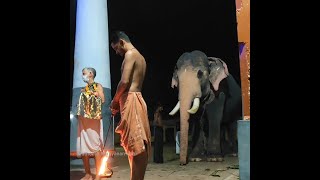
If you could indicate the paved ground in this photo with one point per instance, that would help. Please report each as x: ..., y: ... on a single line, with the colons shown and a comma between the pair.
x: 170, y: 169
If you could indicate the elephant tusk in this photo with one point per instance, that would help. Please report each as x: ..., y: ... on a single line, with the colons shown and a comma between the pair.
x: 175, y: 109
x: 195, y: 106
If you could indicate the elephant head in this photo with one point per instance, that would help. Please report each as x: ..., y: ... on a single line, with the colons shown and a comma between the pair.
x: 194, y: 75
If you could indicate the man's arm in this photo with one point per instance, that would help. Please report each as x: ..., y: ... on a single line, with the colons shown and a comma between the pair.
x: 100, y: 92
x: 123, y: 85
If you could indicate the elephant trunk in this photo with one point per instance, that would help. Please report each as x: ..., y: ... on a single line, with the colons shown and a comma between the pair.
x: 186, y: 98
x: 184, y: 128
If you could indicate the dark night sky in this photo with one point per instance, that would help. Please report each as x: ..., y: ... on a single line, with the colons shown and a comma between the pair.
x: 162, y: 31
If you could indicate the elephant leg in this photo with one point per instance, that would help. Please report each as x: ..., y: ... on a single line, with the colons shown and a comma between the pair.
x: 225, y: 141
x: 195, y: 133
x: 215, y: 114
x: 197, y: 152
x: 232, y: 113
x: 229, y: 139
x: 233, y: 138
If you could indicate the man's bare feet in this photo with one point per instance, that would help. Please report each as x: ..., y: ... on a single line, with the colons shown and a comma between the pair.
x: 87, y: 177
x: 107, y: 173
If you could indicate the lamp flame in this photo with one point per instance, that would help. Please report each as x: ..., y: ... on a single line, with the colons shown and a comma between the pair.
x: 104, y: 164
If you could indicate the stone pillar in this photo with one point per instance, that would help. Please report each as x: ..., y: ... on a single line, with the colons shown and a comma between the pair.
x: 243, y: 20
x: 91, y: 50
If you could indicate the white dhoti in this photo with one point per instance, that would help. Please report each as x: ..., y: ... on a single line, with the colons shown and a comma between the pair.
x: 90, y: 136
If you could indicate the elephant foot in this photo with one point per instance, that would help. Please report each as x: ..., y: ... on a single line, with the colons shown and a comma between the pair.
x: 183, y: 162
x: 214, y: 158
x: 233, y: 155
x: 197, y: 157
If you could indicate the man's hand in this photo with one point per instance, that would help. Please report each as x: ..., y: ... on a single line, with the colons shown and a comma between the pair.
x: 95, y: 94
x: 114, y: 107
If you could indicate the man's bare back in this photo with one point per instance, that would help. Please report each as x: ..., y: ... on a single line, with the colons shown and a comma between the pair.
x: 138, y: 71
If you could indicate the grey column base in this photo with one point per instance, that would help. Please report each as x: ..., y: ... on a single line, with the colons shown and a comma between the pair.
x: 244, y: 149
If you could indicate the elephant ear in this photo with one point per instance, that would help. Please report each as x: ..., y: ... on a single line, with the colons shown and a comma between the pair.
x: 174, y: 79
x: 218, y: 71
x: 225, y: 67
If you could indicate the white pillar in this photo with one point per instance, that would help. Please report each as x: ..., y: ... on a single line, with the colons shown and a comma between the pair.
x: 91, y: 50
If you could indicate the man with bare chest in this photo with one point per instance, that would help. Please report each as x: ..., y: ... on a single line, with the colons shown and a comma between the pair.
x: 134, y: 125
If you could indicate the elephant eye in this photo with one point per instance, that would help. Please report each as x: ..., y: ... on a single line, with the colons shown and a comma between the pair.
x: 200, y: 74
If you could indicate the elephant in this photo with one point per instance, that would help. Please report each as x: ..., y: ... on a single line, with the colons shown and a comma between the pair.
x: 207, y: 84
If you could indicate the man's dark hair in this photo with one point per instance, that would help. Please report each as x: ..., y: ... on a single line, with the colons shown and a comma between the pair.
x: 159, y: 104
x: 117, y: 35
